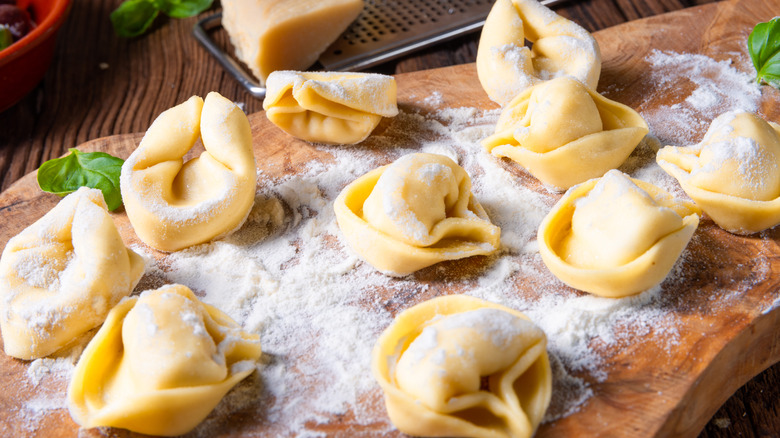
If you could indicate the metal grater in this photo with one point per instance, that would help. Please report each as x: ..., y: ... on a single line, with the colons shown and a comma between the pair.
x: 385, y: 30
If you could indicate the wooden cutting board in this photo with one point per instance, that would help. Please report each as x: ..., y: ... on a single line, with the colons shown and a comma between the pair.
x: 720, y: 347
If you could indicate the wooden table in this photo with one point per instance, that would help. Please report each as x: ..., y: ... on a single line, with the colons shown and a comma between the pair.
x: 101, y: 85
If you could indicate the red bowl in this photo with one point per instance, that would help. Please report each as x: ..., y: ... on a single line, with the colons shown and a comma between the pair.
x: 23, y: 63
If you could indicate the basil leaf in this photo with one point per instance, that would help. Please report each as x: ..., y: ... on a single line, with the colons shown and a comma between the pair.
x: 6, y: 39
x: 764, y: 49
x: 183, y: 8
x: 97, y: 170
x: 133, y: 17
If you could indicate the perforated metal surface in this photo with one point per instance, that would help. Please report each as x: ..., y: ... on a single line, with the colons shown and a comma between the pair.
x: 388, y: 28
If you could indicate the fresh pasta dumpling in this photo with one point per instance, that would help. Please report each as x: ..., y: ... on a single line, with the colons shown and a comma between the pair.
x: 328, y: 107
x: 564, y: 133
x: 460, y: 366
x: 160, y: 364
x: 506, y: 67
x: 414, y: 213
x: 734, y: 173
x: 61, y: 276
x: 172, y: 204
x: 615, y: 236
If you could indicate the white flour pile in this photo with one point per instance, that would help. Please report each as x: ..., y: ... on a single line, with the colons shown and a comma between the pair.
x: 318, y: 309
x: 288, y: 276
x: 50, y: 376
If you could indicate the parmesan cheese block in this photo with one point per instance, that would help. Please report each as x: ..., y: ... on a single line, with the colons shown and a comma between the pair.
x: 270, y: 35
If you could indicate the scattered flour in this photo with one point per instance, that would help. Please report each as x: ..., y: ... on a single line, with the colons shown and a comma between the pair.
x: 287, y: 274
x: 319, y: 309
x: 434, y: 100
x: 50, y: 377
x: 696, y: 89
x: 41, y: 368
x: 33, y: 409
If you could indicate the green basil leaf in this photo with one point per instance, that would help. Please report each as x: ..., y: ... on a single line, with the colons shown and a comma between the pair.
x: 97, y: 170
x: 133, y: 17
x: 6, y: 39
x: 183, y: 8
x: 764, y: 49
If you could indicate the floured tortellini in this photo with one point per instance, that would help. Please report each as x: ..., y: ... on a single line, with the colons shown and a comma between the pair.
x: 413, y: 213
x: 328, y: 107
x: 564, y: 133
x: 505, y: 65
x: 61, y: 276
x: 173, y: 204
x: 160, y: 364
x: 615, y: 236
x: 734, y: 173
x: 461, y: 366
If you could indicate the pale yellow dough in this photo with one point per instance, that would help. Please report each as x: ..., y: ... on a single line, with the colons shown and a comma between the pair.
x: 160, y: 364
x: 615, y: 236
x: 172, y: 204
x: 270, y: 35
x: 61, y: 276
x: 564, y: 133
x: 506, y: 67
x: 734, y: 173
x: 461, y: 366
x: 414, y: 213
x: 327, y: 107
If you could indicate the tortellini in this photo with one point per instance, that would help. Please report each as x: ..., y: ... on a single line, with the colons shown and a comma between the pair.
x: 61, y: 276
x: 328, y: 107
x: 506, y: 67
x: 615, y: 236
x: 564, y: 133
x: 172, y: 204
x: 414, y: 213
x: 734, y: 173
x: 461, y: 366
x: 160, y: 364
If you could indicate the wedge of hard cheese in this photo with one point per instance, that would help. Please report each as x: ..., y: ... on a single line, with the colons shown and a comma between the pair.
x: 271, y: 35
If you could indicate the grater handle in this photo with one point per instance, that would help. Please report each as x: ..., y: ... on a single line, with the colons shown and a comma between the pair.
x: 234, y: 68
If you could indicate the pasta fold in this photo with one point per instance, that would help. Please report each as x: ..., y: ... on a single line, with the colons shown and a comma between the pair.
x: 460, y: 366
x: 615, y: 236
x: 564, y: 133
x: 61, y: 276
x: 160, y: 364
x: 414, y: 213
x: 733, y: 173
x: 506, y: 67
x: 327, y: 107
x: 172, y: 204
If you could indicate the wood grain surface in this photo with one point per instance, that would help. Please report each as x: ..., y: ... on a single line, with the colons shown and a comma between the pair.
x: 117, y: 86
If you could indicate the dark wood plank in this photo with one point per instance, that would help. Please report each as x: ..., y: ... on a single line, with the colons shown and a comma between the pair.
x: 101, y: 85
x: 642, y: 396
